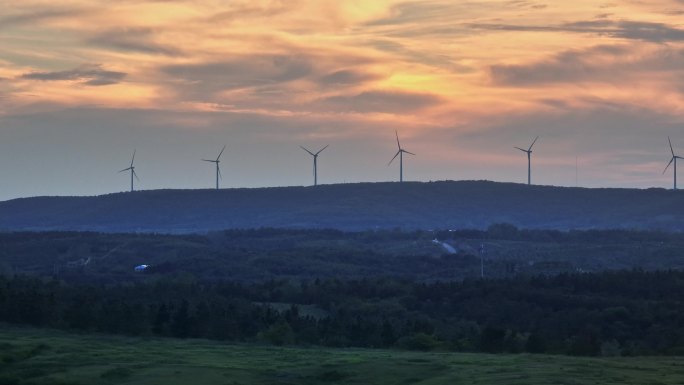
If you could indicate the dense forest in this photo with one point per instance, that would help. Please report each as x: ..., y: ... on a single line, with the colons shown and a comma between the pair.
x: 357, y: 206
x: 590, y: 292
x: 612, y: 313
x: 265, y: 254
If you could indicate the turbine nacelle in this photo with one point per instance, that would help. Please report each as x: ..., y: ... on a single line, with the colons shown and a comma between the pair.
x: 131, y: 168
x: 529, y: 161
x: 400, y: 153
x: 218, y: 168
x: 314, y: 154
x: 529, y: 150
x: 674, y: 157
x: 315, y: 163
x: 397, y: 154
x: 672, y: 160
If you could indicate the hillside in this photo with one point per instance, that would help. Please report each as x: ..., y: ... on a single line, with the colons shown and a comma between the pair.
x: 266, y: 254
x: 413, y: 205
x: 37, y: 357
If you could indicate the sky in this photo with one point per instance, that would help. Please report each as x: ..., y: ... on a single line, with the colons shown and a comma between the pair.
x: 84, y: 83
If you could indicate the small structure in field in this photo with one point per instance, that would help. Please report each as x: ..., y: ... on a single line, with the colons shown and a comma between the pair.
x: 141, y: 268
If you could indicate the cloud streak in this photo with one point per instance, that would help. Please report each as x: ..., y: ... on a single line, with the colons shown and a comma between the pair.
x: 133, y: 40
x: 460, y: 80
x: 90, y: 75
x: 346, y: 78
x: 240, y: 72
x: 605, y: 63
x: 629, y: 30
x: 382, y: 101
x: 37, y: 16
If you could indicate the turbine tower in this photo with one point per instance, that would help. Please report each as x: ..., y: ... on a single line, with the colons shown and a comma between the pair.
x: 400, y: 153
x: 131, y: 168
x: 673, y: 160
x: 529, y: 160
x: 315, y: 162
x: 217, y: 161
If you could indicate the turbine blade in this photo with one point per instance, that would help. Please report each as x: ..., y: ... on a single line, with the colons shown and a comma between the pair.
x: 135, y: 174
x: 221, y: 153
x: 523, y: 150
x: 668, y: 165
x: 535, y: 141
x: 304, y: 148
x: 219, y: 171
x: 125, y: 169
x: 321, y: 150
x: 395, y: 155
x: 208, y: 160
x: 671, y: 149
x: 397, y: 134
x: 133, y: 158
x: 408, y: 152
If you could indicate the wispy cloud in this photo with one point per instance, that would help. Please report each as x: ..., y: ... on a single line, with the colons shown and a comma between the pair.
x: 414, y: 11
x: 382, y: 101
x: 89, y: 74
x: 36, y: 16
x: 604, y: 63
x: 205, y: 79
x: 253, y: 10
x: 464, y: 78
x: 626, y: 29
x: 133, y: 40
x: 635, y: 30
x: 346, y: 77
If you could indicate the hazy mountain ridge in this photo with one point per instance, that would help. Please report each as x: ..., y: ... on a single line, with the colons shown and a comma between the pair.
x: 411, y: 205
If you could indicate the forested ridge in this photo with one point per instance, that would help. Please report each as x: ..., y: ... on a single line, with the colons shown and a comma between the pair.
x: 356, y: 206
x: 264, y: 254
x: 610, y: 313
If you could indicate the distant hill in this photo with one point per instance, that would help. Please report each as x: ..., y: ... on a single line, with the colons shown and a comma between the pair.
x: 411, y: 205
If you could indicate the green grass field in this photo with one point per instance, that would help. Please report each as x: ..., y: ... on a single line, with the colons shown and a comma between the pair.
x: 31, y: 356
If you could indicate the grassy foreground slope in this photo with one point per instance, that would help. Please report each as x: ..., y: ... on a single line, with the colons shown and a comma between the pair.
x: 30, y: 356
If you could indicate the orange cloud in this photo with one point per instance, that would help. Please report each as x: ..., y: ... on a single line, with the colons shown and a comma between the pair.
x: 448, y: 71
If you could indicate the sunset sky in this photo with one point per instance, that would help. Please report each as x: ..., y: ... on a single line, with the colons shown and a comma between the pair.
x: 83, y: 83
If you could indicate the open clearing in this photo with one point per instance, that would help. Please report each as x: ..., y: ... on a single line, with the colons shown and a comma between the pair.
x: 32, y: 356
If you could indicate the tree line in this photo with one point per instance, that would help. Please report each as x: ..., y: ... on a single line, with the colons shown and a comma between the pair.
x: 611, y: 313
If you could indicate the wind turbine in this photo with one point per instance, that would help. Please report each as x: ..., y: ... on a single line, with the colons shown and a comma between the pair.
x: 132, y: 169
x: 673, y: 159
x: 529, y: 161
x: 315, y: 162
x: 400, y: 153
x: 217, y: 161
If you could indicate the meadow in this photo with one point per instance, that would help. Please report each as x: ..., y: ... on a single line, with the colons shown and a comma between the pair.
x: 43, y: 356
